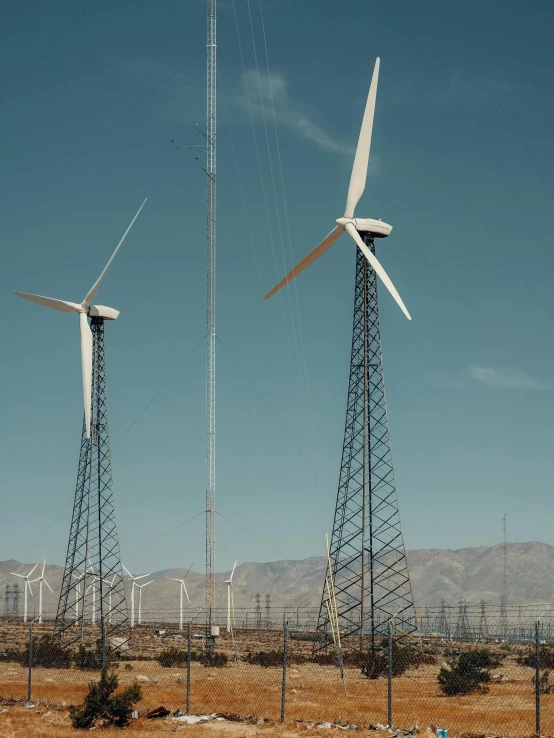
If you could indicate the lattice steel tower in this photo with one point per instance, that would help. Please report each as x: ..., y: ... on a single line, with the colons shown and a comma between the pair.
x: 92, y: 587
x: 211, y: 131
x: 368, y: 559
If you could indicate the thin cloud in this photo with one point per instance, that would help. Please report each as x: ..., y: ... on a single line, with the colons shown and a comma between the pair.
x: 505, y: 377
x: 271, y: 90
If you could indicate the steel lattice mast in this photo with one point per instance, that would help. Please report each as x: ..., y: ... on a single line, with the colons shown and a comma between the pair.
x: 211, y: 120
x: 368, y: 560
x: 93, y: 591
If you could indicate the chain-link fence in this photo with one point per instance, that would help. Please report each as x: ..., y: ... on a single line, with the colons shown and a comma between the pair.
x: 469, y: 670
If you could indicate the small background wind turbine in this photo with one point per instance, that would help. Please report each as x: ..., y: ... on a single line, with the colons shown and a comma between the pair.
x: 367, y: 521
x: 93, y: 531
x: 26, y: 586
x: 133, y: 585
x: 40, y: 581
x: 182, y: 588
x: 229, y: 583
x: 140, y: 587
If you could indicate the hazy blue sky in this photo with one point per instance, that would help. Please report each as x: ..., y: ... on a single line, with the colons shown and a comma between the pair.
x: 463, y: 168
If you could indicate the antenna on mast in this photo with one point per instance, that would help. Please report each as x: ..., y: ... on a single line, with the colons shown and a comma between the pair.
x: 210, y: 136
x: 504, y: 595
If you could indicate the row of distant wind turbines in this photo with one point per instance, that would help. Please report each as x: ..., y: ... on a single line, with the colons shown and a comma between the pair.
x: 134, y: 584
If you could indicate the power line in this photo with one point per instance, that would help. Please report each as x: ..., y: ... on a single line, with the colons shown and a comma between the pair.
x: 96, y: 140
x: 270, y: 411
x: 45, y: 52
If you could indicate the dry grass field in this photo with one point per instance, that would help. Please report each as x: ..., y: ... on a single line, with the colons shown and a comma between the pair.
x: 314, y: 694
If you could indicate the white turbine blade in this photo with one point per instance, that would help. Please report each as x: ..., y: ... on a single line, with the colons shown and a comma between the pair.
x: 90, y: 297
x: 327, y: 242
x: 234, y: 567
x: 140, y: 586
x: 13, y: 574
x: 142, y: 577
x: 49, y: 587
x: 43, y: 567
x: 28, y: 583
x: 86, y: 365
x: 62, y: 305
x: 185, y: 588
x: 359, y: 170
x: 353, y: 233
x: 127, y: 570
x: 32, y: 570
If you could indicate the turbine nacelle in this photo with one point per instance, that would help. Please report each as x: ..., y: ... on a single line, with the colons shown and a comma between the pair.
x: 377, y: 228
x: 101, y: 311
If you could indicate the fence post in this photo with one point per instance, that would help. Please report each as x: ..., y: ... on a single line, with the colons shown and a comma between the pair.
x: 537, y: 680
x: 389, y: 702
x: 30, y: 664
x: 189, y: 641
x: 284, y: 681
x: 103, y: 641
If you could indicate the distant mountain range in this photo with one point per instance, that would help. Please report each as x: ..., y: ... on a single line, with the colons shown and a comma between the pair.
x: 471, y: 574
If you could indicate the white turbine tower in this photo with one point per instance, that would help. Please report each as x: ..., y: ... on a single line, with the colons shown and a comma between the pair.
x: 353, y: 226
x: 182, y: 588
x: 85, y: 309
x: 40, y: 580
x: 26, y: 586
x: 229, y: 583
x: 140, y: 587
x: 133, y: 585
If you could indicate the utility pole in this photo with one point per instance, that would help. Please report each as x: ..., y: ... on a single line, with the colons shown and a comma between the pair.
x: 267, y: 610
x: 211, y: 119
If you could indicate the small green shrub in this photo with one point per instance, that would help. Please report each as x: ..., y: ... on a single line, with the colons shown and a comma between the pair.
x: 102, y: 707
x: 544, y: 683
x: 48, y: 653
x: 468, y: 673
x: 546, y: 657
x: 376, y: 663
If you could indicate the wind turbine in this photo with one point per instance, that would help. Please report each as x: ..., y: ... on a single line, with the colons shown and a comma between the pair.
x: 140, y: 588
x: 182, y: 588
x: 367, y: 520
x: 26, y: 586
x: 133, y: 585
x: 92, y: 586
x: 354, y: 226
x: 40, y: 580
x: 110, y: 591
x: 93, y: 531
x: 84, y: 310
x: 229, y: 583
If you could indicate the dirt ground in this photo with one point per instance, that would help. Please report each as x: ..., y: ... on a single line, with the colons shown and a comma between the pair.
x: 314, y: 694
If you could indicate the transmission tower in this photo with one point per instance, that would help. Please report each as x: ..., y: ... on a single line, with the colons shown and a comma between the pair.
x: 92, y: 587
x: 7, y: 601
x: 16, y: 594
x: 258, y: 599
x: 211, y: 119
x: 444, y: 621
x: 483, y: 626
x: 368, y: 559
x: 267, y: 610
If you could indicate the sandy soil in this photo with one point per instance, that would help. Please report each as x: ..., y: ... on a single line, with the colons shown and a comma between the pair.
x: 314, y: 694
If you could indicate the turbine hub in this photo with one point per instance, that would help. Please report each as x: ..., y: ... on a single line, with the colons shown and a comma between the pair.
x: 377, y: 228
